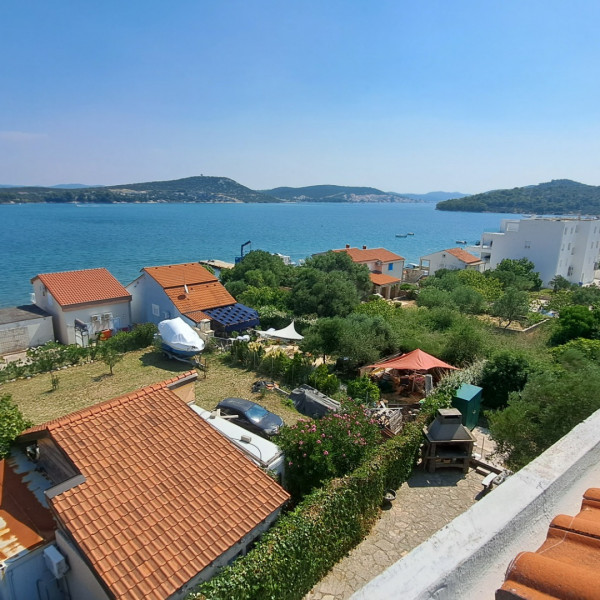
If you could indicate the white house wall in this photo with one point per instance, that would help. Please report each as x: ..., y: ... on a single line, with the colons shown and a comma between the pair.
x: 150, y: 302
x: 397, y: 267
x: 443, y: 260
x: 82, y: 581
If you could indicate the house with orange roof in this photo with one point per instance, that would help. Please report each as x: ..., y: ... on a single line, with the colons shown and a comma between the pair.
x: 83, y: 303
x: 453, y: 259
x: 191, y: 292
x: 386, y: 268
x: 142, y: 499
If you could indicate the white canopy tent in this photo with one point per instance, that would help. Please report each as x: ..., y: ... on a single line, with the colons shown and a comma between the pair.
x: 288, y: 333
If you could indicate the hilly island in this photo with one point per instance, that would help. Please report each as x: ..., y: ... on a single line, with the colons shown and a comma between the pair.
x: 205, y: 189
x: 557, y: 197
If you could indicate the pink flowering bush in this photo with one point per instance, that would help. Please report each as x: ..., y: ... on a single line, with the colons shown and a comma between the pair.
x: 318, y: 450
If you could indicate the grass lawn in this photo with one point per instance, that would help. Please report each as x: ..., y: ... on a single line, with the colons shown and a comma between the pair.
x: 88, y: 384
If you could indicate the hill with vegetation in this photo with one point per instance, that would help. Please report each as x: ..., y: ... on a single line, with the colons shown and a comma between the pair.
x: 335, y: 193
x: 190, y: 189
x: 557, y: 197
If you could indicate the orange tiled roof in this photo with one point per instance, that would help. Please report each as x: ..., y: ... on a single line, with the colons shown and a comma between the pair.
x: 82, y: 287
x: 381, y: 279
x: 165, y: 493
x: 463, y: 255
x: 566, y: 565
x: 200, y: 297
x: 359, y: 255
x: 177, y: 275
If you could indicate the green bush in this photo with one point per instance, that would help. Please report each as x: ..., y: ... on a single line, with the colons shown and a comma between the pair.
x: 140, y: 337
x: 12, y: 423
x: 317, y: 450
x: 324, y: 381
x: 364, y: 389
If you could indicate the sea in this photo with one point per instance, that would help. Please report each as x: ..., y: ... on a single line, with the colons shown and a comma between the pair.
x: 124, y: 238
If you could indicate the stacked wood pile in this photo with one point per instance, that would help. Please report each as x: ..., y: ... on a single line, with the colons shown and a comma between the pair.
x: 388, y: 419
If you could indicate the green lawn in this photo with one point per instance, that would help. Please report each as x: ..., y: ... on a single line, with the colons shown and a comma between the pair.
x: 88, y: 384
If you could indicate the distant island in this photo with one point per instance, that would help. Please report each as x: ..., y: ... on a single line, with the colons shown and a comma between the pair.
x: 189, y: 189
x: 203, y: 189
x: 557, y: 197
x: 336, y: 193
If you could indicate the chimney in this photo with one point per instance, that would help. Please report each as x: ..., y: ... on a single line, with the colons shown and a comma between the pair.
x: 347, y: 245
x: 364, y: 247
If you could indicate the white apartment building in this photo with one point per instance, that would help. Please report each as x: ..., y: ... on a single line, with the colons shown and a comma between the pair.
x: 564, y: 246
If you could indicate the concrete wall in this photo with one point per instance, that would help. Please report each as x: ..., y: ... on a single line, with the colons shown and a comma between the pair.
x: 28, y: 333
x: 468, y: 558
x: 81, y: 580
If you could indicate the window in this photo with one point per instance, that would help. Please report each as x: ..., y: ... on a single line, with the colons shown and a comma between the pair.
x: 155, y: 310
x: 391, y: 267
x: 527, y: 244
x: 569, y: 271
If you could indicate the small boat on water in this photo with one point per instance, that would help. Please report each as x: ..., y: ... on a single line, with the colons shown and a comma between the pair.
x: 179, y: 339
x: 402, y: 235
x: 410, y: 233
x: 461, y: 242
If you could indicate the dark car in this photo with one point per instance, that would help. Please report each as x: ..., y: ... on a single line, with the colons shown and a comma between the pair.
x: 251, y: 416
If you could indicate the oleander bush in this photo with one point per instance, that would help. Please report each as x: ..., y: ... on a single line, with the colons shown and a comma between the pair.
x: 320, y: 449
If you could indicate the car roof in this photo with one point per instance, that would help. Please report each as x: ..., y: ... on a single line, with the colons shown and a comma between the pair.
x: 239, y: 403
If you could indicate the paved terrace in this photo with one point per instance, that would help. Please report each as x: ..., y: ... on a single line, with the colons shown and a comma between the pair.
x: 423, y: 505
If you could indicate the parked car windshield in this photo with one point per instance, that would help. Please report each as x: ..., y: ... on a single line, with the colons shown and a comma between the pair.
x: 256, y: 413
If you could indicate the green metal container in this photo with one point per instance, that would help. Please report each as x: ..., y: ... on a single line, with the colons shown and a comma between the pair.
x: 468, y: 400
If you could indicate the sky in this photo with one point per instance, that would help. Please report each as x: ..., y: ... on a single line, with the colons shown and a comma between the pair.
x: 405, y: 96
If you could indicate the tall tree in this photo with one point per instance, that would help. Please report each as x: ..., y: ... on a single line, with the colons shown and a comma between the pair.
x: 511, y: 305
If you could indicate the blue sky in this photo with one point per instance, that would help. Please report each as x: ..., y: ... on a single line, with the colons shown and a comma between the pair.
x: 406, y: 96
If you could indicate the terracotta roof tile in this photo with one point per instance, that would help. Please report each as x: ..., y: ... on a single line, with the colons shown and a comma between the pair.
x: 381, y: 279
x: 148, y: 539
x: 71, y: 288
x: 463, y: 256
x: 566, y: 565
x: 359, y: 255
x: 200, y: 297
x: 179, y: 275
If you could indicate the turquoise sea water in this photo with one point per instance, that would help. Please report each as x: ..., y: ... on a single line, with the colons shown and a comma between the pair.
x: 43, y: 238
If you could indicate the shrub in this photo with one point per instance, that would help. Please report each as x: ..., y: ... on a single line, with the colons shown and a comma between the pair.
x: 317, y: 450
x: 324, y: 381
x: 12, y: 423
x: 505, y: 372
x: 364, y: 389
